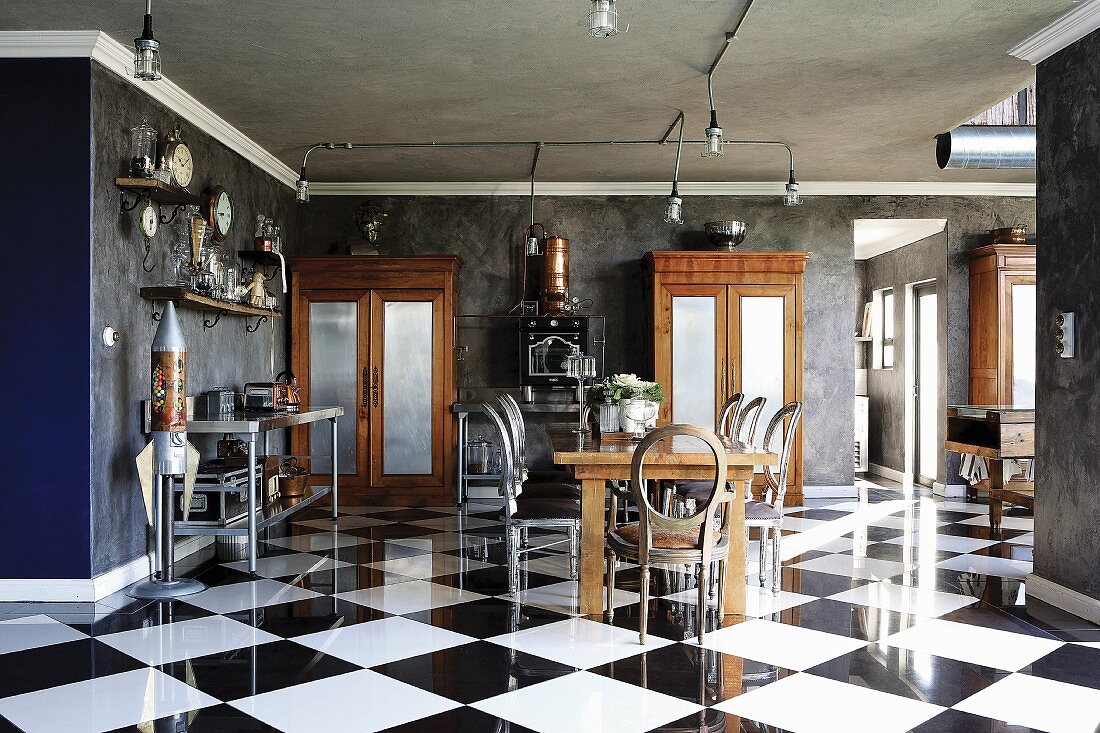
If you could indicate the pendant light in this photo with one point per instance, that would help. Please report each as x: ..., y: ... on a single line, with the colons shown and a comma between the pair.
x: 302, y: 187
x: 674, y: 206
x: 147, y: 50
x: 792, y: 197
x: 603, y: 20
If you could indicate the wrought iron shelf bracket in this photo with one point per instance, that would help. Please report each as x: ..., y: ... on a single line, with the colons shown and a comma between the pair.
x: 253, y: 329
x: 207, y: 323
x: 178, y: 208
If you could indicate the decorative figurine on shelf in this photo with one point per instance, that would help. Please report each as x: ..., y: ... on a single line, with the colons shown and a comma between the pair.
x: 257, y: 293
x: 369, y: 218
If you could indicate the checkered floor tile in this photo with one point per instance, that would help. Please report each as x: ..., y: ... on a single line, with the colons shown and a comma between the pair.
x: 896, y: 613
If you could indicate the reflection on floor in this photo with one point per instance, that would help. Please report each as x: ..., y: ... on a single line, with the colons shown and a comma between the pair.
x: 898, y: 612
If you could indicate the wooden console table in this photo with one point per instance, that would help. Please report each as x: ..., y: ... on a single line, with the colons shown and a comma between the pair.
x: 995, y: 433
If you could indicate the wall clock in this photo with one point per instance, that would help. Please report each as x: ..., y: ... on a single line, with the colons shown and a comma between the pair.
x: 177, y: 159
x: 219, y: 212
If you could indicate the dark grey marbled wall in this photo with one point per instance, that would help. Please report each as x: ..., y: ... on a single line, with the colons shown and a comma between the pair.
x: 608, y: 237
x: 917, y: 262
x: 1067, y: 500
x: 225, y: 355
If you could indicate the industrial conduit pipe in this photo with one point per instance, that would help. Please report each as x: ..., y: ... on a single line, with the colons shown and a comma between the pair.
x: 987, y: 146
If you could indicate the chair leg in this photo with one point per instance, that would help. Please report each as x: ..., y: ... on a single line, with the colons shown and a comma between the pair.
x: 667, y: 500
x: 721, y: 585
x: 574, y: 548
x: 704, y: 583
x: 609, y: 594
x: 513, y: 560
x: 776, y: 567
x: 763, y: 554
x: 712, y: 586
x: 523, y: 537
x: 644, y: 613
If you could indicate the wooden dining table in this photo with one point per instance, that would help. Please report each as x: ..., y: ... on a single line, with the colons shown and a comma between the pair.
x: 593, y: 462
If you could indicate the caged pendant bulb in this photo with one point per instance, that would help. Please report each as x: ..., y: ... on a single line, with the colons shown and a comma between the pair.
x: 792, y: 197
x: 302, y: 191
x: 674, y: 210
x: 147, y: 50
x: 603, y: 20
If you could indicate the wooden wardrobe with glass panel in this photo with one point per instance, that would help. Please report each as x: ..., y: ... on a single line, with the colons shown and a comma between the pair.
x: 374, y: 335
x: 727, y: 322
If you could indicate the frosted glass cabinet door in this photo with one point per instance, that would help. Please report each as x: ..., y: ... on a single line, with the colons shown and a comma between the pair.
x: 763, y: 356
x: 693, y: 360
x: 1023, y: 344
x: 404, y: 359
x: 333, y: 374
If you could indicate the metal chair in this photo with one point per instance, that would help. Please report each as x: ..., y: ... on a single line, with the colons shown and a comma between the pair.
x: 767, y: 515
x: 530, y: 512
x: 748, y: 415
x: 659, y: 538
x: 547, y: 483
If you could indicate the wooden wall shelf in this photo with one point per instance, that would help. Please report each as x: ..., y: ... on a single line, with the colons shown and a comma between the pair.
x: 193, y: 301
x: 158, y: 191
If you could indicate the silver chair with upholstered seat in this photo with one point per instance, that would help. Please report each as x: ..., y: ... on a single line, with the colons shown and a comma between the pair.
x: 767, y: 515
x: 659, y: 538
x: 547, y: 483
x: 522, y: 512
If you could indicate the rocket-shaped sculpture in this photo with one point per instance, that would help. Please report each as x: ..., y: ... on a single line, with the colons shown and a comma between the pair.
x: 168, y: 384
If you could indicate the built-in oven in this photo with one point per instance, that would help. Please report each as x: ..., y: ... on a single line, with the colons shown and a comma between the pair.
x: 544, y: 344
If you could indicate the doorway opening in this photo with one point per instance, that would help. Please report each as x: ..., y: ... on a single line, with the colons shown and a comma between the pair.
x: 925, y: 378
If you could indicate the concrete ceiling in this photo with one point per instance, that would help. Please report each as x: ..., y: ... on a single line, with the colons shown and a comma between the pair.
x: 857, y: 87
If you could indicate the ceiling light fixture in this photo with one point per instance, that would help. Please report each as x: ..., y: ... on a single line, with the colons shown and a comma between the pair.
x: 147, y: 50
x: 713, y: 148
x: 792, y: 197
x: 674, y: 207
x: 603, y: 20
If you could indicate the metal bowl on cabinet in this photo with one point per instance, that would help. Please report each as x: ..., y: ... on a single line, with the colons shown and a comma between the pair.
x: 725, y: 235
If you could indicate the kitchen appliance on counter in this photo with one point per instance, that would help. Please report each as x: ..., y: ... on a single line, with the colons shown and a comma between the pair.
x: 545, y: 343
x: 282, y: 395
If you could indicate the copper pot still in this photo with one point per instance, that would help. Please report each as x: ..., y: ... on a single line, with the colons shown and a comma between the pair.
x: 555, y: 275
x: 1010, y: 235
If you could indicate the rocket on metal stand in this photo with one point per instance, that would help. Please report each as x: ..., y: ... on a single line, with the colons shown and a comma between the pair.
x: 168, y: 455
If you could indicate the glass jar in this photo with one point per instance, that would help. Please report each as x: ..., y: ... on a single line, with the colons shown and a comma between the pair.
x: 609, y: 416
x: 479, y: 456
x: 143, y: 150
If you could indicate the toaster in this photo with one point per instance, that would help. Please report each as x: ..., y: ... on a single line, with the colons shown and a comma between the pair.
x: 266, y: 396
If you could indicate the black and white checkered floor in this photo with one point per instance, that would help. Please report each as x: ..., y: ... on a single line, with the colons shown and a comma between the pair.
x: 898, y: 613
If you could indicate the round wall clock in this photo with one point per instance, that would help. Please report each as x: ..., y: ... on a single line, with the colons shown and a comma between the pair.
x: 177, y: 158
x: 219, y: 212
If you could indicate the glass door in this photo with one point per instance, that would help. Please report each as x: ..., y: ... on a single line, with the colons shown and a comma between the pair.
x: 693, y: 369
x: 764, y: 355
x: 926, y: 403
x: 407, y: 388
x: 334, y: 350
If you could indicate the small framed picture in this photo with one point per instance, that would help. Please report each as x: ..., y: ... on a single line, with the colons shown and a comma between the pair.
x: 866, y: 320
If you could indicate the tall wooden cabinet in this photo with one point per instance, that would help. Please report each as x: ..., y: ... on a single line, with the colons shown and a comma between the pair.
x: 726, y: 322
x: 1002, y: 325
x: 374, y: 335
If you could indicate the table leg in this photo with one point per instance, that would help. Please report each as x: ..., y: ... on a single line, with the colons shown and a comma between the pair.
x: 253, y: 504
x: 460, y: 470
x: 734, y: 601
x: 335, y: 472
x: 996, y: 483
x: 592, y: 540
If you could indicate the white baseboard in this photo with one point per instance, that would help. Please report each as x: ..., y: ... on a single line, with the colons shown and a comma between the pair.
x: 1064, y: 598
x: 886, y: 472
x: 949, y: 491
x: 89, y: 590
x: 830, y: 492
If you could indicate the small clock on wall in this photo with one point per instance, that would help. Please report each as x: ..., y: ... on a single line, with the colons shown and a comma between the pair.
x: 219, y: 212
x: 148, y: 218
x: 177, y: 159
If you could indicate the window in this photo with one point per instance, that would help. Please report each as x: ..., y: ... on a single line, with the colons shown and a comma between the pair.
x: 883, y: 335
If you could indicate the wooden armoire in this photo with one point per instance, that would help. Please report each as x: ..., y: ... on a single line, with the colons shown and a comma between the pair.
x: 374, y: 335
x: 727, y: 322
x: 1002, y: 325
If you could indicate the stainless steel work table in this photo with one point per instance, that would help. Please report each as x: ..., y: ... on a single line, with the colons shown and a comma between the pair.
x: 463, y: 409
x: 249, y: 426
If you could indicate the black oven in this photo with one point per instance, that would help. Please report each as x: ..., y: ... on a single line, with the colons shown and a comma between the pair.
x: 544, y: 343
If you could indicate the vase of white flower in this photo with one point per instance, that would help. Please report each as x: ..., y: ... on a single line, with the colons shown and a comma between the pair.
x: 638, y: 400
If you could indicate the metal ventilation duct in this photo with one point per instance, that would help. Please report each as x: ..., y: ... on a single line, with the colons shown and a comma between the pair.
x: 982, y: 146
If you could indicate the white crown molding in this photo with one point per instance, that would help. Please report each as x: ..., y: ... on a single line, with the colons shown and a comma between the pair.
x: 119, y: 59
x: 1068, y: 29
x: 661, y: 188
x: 920, y: 229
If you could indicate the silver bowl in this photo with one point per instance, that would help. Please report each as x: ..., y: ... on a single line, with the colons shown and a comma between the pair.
x: 725, y: 234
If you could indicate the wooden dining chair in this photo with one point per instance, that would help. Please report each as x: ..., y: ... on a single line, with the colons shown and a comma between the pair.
x: 659, y: 538
x: 767, y: 515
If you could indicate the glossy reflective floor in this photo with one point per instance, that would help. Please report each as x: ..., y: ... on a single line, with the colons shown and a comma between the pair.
x: 898, y: 612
